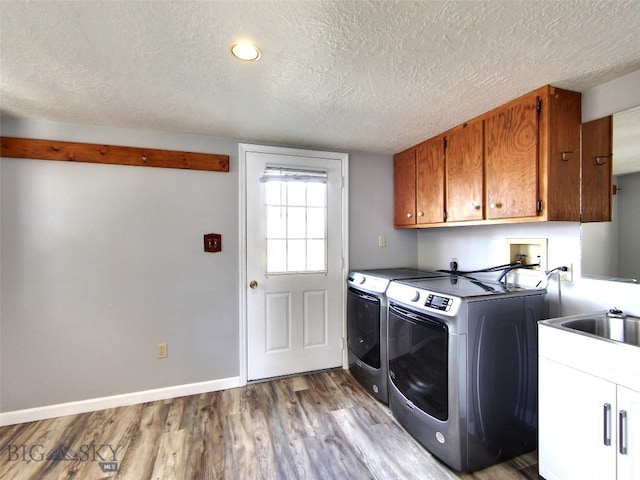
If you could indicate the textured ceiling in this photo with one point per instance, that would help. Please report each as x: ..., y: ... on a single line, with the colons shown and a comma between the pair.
x: 376, y: 76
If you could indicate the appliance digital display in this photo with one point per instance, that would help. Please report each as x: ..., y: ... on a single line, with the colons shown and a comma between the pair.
x: 437, y: 302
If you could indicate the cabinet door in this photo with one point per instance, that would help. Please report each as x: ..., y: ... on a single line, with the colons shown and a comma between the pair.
x: 511, y: 160
x: 404, y: 188
x: 573, y: 421
x: 596, y: 170
x: 629, y: 428
x: 464, y: 160
x: 430, y: 181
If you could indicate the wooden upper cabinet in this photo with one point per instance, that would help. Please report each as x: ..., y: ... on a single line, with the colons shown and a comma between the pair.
x: 560, y: 154
x: 465, y: 167
x: 430, y: 181
x: 517, y: 163
x: 597, y: 170
x: 511, y: 160
x: 404, y: 188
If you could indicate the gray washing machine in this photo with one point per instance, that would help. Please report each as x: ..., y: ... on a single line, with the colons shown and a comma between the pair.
x: 367, y: 325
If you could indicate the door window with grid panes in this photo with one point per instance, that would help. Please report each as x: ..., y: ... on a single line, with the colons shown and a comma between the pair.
x: 296, y: 223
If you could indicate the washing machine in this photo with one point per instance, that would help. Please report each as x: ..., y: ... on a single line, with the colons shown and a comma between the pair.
x: 367, y: 325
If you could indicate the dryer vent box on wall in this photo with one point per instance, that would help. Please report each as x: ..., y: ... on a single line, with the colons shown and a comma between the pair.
x: 212, y: 242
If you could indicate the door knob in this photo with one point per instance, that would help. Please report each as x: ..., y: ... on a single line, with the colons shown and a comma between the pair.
x: 253, y: 284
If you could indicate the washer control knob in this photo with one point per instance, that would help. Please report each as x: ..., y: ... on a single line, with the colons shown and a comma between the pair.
x: 416, y: 297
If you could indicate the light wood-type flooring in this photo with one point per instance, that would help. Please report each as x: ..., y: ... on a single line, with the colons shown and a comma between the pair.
x: 317, y: 426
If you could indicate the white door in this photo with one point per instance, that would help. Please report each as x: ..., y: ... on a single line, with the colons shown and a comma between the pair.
x: 295, y: 243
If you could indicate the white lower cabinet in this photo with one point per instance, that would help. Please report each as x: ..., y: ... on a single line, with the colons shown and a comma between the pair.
x: 589, y: 428
x: 629, y: 437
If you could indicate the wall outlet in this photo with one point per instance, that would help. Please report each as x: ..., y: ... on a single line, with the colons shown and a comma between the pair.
x: 454, y: 265
x: 382, y: 241
x: 161, y: 350
x: 568, y: 275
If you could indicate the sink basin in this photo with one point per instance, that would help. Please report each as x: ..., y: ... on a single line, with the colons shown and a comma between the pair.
x: 625, y: 330
x: 598, y: 343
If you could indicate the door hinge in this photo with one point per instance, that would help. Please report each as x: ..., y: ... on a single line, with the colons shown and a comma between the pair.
x: 539, y: 105
x: 445, y: 143
x: 444, y: 215
x: 539, y: 206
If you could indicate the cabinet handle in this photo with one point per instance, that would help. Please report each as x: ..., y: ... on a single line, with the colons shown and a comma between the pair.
x: 495, y: 205
x: 409, y: 215
x: 607, y: 424
x: 421, y: 214
x: 475, y: 205
x: 622, y: 433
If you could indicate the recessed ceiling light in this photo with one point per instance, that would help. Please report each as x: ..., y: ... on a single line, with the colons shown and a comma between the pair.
x: 246, y: 51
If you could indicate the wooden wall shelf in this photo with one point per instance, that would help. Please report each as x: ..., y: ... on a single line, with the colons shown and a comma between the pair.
x: 92, y: 153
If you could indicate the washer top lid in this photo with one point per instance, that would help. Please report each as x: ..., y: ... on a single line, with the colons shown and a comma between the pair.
x: 397, y: 273
x: 468, y: 287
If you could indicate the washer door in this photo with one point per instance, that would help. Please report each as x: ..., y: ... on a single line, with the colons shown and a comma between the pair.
x: 363, y: 326
x: 418, y: 364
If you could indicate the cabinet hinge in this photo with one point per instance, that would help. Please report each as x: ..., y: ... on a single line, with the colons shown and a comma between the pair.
x: 444, y: 143
x: 539, y: 105
x: 539, y: 206
x: 444, y: 215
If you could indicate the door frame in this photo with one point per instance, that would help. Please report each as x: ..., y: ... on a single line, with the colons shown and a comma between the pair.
x: 243, y: 149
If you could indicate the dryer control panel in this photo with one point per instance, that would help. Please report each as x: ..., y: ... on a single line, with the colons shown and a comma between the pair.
x: 438, y: 302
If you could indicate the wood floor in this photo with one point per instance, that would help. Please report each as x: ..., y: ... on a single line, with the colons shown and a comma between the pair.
x: 318, y: 426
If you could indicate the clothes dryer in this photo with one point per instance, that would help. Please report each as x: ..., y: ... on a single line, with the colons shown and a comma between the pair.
x: 463, y: 367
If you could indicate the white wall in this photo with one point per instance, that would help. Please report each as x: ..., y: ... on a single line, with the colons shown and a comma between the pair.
x: 478, y: 247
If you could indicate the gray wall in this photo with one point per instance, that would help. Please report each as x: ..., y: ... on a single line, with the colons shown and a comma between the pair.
x: 629, y: 205
x: 99, y: 263
x: 371, y: 215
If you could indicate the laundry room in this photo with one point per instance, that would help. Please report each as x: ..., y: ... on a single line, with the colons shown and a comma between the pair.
x: 131, y: 278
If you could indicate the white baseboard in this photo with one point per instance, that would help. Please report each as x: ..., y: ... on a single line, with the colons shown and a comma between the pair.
x: 91, y: 405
